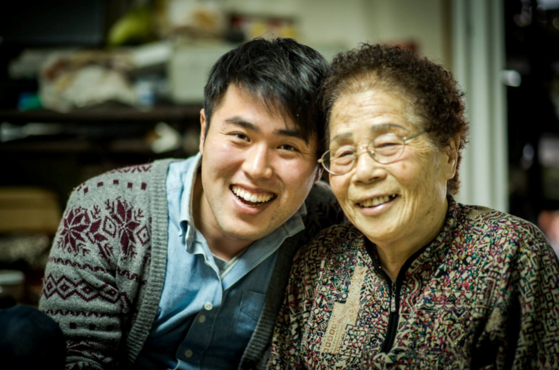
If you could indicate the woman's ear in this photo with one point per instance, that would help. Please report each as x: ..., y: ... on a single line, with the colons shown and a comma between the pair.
x: 202, y: 130
x: 451, y: 157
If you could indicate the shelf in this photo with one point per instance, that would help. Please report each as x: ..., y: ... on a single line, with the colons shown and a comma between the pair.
x: 107, y: 113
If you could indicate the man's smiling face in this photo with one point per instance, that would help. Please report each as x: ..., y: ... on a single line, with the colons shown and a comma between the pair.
x: 256, y: 169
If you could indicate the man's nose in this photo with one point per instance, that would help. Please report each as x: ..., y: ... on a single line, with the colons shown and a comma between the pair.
x: 258, y: 162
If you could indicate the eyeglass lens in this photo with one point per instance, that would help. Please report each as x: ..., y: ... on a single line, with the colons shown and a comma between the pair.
x: 383, y: 148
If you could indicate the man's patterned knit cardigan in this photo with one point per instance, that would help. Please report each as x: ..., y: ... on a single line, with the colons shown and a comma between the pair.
x: 107, y: 265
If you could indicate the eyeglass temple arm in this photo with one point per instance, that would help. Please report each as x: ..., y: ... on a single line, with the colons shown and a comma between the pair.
x: 414, y: 135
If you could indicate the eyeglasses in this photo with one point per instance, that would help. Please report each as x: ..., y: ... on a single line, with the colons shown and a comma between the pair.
x: 385, y: 148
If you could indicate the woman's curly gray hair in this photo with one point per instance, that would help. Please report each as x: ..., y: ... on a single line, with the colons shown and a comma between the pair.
x: 434, y: 101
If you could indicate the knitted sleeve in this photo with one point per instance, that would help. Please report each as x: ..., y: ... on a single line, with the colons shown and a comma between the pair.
x: 96, y: 266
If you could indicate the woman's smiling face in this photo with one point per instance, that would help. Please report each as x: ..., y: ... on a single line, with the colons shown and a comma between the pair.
x: 401, y: 204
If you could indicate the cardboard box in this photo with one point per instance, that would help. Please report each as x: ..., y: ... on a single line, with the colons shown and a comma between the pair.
x: 28, y: 210
x: 189, y: 68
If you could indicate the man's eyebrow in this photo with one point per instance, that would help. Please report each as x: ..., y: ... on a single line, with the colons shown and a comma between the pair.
x: 238, y: 121
x: 290, y: 132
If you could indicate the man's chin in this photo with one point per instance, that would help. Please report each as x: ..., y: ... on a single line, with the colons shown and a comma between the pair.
x: 248, y: 232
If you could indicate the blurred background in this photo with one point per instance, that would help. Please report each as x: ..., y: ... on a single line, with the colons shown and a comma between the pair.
x: 92, y: 85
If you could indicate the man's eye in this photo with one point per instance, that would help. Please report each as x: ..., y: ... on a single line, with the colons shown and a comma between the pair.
x: 288, y: 147
x: 238, y: 135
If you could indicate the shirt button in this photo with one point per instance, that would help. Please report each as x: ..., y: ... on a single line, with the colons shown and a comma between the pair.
x: 202, y: 319
x: 208, y: 306
x: 188, y: 353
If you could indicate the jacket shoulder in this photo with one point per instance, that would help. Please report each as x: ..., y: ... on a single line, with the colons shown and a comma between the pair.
x: 501, y: 232
x: 333, y: 243
x: 490, y: 221
x: 323, y: 209
x: 126, y: 181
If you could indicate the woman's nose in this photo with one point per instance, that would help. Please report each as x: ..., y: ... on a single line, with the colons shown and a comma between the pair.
x: 366, y: 168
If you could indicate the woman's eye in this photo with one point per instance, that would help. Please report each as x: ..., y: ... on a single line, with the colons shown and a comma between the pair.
x: 344, y: 153
x: 386, y: 144
x: 385, y: 141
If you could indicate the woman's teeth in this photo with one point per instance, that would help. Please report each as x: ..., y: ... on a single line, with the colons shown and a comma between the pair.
x: 251, y: 197
x: 376, y: 201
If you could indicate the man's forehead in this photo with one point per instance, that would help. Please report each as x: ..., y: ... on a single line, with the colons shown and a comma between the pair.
x: 292, y: 126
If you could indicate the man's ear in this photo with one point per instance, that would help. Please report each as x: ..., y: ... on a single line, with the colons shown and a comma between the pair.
x: 318, y: 175
x: 451, y: 157
x: 202, y: 130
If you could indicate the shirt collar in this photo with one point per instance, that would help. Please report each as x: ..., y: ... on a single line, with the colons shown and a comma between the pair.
x: 186, y: 219
x: 186, y: 197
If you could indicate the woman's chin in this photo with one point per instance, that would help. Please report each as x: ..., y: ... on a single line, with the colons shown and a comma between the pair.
x: 379, y: 230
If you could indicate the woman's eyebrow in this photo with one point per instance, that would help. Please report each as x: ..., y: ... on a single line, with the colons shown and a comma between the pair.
x: 341, y: 136
x: 387, y: 126
x: 374, y: 128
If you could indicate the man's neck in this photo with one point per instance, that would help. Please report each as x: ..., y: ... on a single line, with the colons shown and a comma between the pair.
x: 220, y: 244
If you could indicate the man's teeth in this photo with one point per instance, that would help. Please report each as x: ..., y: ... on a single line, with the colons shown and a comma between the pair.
x: 251, y: 197
x: 376, y: 201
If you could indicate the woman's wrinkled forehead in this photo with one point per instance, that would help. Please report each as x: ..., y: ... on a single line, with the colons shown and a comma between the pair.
x: 366, y: 107
x: 371, y: 107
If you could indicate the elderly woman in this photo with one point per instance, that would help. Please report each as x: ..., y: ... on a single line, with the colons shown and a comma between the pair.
x: 416, y: 280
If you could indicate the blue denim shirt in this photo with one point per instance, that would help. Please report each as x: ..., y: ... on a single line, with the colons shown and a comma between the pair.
x: 205, y: 320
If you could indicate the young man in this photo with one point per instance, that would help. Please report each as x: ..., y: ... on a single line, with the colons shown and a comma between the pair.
x: 183, y: 264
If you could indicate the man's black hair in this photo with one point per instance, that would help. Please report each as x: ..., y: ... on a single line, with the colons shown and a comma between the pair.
x: 281, y: 73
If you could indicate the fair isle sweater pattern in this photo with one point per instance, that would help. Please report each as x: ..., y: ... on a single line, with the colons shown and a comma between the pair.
x: 106, y: 269
x: 483, y: 295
